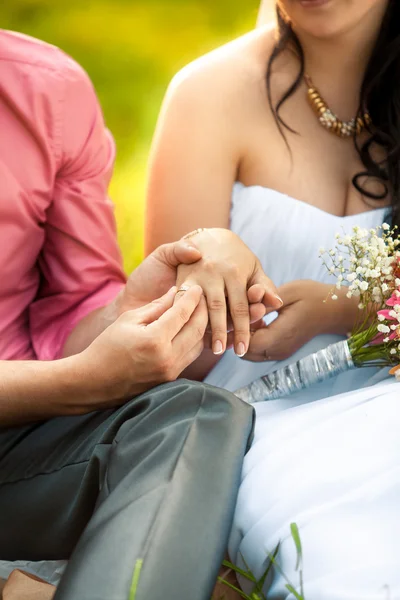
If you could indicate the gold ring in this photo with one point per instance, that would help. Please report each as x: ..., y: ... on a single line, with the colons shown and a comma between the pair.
x: 183, y: 288
x: 193, y: 233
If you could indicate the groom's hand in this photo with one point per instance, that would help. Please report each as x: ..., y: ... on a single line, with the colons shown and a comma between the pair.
x: 156, y: 275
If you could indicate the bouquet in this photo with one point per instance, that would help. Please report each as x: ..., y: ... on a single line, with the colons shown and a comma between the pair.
x: 367, y: 265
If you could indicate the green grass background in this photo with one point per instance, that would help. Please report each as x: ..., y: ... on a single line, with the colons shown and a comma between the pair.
x: 131, y: 49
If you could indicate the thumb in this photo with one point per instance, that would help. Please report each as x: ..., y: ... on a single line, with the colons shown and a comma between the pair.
x: 152, y: 312
x: 178, y: 253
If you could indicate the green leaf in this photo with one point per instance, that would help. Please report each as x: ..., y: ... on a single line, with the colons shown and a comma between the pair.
x: 245, y: 563
x: 247, y: 574
x: 260, y: 583
x: 135, y: 579
x: 291, y: 589
x: 296, y: 538
x: 232, y: 587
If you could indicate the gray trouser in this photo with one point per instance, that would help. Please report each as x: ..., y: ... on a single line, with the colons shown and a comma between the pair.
x: 140, y: 499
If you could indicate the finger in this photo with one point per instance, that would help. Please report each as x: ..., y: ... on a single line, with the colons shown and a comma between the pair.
x: 271, y: 297
x: 273, y: 342
x: 153, y: 311
x: 255, y: 293
x: 178, y: 253
x: 239, y: 311
x: 258, y: 344
x: 257, y: 312
x: 208, y: 340
x: 256, y: 326
x: 176, y: 317
x: 217, y: 314
x: 193, y: 332
x: 182, y: 290
x: 192, y: 355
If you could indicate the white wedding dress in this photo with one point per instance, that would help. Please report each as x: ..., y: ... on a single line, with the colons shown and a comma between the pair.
x: 326, y: 458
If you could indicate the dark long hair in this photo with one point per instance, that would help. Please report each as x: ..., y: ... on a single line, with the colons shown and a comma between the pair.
x: 380, y: 95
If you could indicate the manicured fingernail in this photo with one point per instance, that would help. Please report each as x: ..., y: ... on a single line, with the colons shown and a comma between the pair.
x: 240, y: 349
x: 218, y: 347
x: 279, y: 298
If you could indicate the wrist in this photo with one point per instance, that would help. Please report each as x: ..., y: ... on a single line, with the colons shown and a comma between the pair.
x: 76, y: 390
x: 342, y: 311
x: 96, y: 388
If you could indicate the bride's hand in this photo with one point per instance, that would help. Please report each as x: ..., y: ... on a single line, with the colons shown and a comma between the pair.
x: 232, y: 278
x: 307, y: 311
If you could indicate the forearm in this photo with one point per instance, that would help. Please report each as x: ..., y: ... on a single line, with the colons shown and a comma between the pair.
x: 39, y: 390
x: 342, y: 314
x: 89, y: 328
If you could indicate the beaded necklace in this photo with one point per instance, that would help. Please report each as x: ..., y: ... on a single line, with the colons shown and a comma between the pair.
x: 329, y: 120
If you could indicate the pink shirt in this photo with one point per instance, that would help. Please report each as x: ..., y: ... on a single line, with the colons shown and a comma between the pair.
x: 59, y: 258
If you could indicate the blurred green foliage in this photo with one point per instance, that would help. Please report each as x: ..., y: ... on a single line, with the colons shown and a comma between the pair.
x: 131, y: 49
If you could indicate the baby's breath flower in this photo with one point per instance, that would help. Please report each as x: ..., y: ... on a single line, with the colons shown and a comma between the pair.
x: 393, y: 351
x: 362, y: 233
x: 386, y: 340
x: 385, y: 227
x: 381, y: 318
x: 364, y: 286
x: 383, y: 328
x: 334, y: 297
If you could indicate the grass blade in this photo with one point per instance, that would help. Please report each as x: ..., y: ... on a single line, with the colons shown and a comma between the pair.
x: 247, y: 574
x: 297, y: 542
x: 291, y: 589
x: 135, y: 579
x: 260, y: 583
x: 232, y: 587
x: 289, y: 586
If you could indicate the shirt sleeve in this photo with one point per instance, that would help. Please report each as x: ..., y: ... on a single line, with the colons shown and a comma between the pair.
x: 80, y: 263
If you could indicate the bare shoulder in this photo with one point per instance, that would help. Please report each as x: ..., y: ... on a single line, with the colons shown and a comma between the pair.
x: 234, y: 72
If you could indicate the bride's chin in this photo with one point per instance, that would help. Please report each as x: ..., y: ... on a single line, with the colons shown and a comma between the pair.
x: 321, y: 28
x: 321, y: 19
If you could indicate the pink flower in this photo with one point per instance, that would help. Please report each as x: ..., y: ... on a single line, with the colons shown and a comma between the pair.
x: 393, y: 300
x: 393, y: 335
